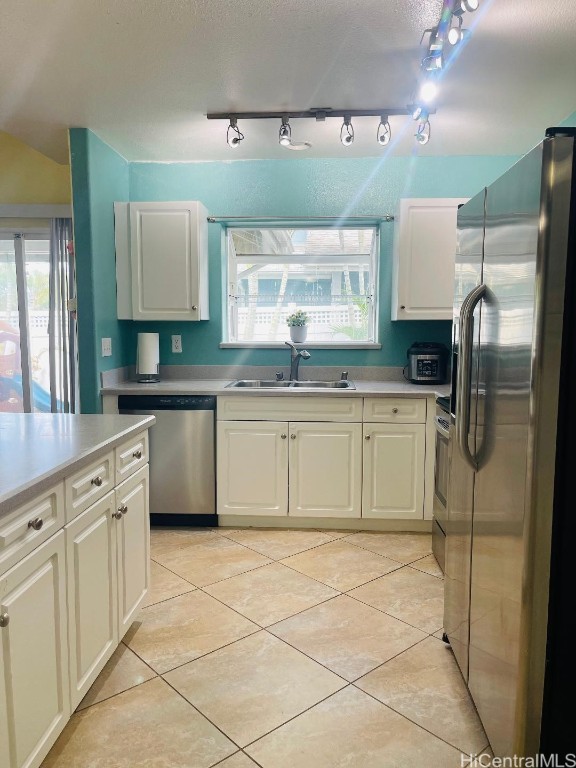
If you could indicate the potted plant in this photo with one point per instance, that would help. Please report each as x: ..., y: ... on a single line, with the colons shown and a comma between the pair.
x: 297, y: 324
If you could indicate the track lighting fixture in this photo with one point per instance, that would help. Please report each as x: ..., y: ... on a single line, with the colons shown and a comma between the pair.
x: 347, y: 131
x: 383, y: 132
x: 234, y: 136
x: 419, y: 111
x: 285, y: 133
x: 422, y: 134
x: 469, y: 5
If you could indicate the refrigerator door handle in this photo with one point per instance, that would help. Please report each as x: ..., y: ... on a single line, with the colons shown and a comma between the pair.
x: 464, y: 381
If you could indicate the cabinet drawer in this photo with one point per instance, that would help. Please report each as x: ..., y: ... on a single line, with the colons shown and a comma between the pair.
x: 403, y: 410
x: 27, y: 527
x: 89, y: 484
x: 131, y: 455
x: 297, y: 408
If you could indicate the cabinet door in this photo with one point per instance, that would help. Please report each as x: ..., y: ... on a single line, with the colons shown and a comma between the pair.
x: 92, y: 594
x: 169, y: 257
x: 325, y: 469
x: 133, y: 546
x: 252, y: 468
x: 424, y: 257
x: 393, y: 485
x: 34, y: 692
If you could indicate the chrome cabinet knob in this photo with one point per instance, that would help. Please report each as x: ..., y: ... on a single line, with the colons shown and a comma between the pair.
x: 97, y: 481
x: 283, y: 436
x: 117, y: 515
x: 123, y: 509
x: 367, y: 437
x: 36, y: 524
x: 137, y: 454
x: 394, y: 410
x: 4, y: 619
x: 194, y: 307
x: 292, y: 437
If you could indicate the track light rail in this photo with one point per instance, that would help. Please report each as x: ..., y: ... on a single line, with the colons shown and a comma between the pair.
x: 318, y: 114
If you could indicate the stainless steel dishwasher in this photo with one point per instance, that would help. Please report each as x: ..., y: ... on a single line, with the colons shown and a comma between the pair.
x: 182, y: 457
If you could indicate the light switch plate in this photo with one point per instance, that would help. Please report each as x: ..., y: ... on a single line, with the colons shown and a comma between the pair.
x: 176, y: 344
x: 106, y: 347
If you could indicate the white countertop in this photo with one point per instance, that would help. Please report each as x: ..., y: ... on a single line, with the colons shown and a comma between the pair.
x: 219, y: 387
x: 39, y: 449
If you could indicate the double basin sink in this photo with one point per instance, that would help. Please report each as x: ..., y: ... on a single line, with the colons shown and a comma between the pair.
x: 273, y: 384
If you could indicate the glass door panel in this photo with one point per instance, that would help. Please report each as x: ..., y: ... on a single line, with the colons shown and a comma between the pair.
x: 37, y: 267
x: 10, y: 355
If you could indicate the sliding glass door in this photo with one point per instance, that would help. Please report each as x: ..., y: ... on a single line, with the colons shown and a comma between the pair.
x: 35, y: 329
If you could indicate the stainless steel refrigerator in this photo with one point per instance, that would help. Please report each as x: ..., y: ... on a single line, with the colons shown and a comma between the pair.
x: 509, y: 598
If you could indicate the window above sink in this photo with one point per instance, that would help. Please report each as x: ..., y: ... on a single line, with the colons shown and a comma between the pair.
x: 330, y: 273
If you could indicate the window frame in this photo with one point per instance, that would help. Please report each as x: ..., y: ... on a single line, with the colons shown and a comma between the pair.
x: 229, y: 284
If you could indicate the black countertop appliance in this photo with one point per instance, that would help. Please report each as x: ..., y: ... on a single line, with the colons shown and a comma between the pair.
x: 427, y: 363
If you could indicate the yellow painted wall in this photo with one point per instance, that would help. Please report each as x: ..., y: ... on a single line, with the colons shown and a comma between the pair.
x: 27, y: 176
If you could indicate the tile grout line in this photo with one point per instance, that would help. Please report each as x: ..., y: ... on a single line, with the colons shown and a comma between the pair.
x: 430, y: 634
x: 321, y: 701
x: 418, y: 725
x: 325, y: 698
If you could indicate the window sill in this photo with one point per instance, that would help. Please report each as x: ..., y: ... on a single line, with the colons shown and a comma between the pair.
x: 307, y: 344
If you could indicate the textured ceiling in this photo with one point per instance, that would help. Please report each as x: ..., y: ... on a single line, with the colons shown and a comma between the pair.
x: 143, y: 74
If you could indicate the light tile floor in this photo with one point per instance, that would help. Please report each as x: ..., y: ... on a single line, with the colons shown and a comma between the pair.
x: 280, y: 649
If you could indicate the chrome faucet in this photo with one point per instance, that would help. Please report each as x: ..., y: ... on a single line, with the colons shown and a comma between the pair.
x: 295, y: 356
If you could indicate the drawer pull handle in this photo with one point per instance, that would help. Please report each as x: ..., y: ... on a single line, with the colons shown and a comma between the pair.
x: 137, y: 454
x: 117, y: 515
x: 367, y: 437
x: 97, y: 481
x: 123, y: 509
x: 283, y: 436
x: 4, y: 619
x: 292, y: 437
x: 36, y: 524
x: 394, y: 410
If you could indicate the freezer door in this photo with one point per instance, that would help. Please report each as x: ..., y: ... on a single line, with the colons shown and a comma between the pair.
x: 503, y: 418
x: 460, y: 494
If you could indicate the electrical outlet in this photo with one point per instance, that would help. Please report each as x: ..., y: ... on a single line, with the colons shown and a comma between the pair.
x: 106, y: 347
x: 176, y: 344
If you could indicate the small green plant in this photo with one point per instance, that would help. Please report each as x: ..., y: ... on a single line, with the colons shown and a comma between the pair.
x: 297, y: 319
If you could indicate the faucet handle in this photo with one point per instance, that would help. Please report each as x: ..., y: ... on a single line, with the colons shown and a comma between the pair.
x: 344, y: 376
x: 279, y: 375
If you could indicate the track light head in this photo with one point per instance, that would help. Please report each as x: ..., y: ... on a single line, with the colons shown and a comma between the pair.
x: 285, y: 133
x: 428, y: 91
x: 384, y: 131
x: 469, y: 5
x: 456, y: 34
x: 433, y: 62
x: 233, y: 135
x: 347, y: 131
x: 422, y: 134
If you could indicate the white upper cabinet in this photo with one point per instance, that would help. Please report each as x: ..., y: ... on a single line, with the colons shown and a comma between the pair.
x: 424, y: 251
x: 162, y: 261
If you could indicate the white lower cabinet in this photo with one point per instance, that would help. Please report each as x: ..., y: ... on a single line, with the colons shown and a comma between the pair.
x: 107, y: 549
x: 252, y: 468
x: 34, y: 692
x: 393, y: 484
x: 63, y: 610
x: 305, y: 469
x: 325, y: 467
x: 92, y: 593
x: 133, y: 546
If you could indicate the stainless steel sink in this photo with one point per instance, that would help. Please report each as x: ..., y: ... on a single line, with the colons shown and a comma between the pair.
x: 272, y: 384
x: 324, y: 384
x: 259, y: 383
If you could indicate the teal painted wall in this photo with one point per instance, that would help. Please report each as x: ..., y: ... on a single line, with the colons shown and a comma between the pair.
x: 570, y: 121
x: 296, y: 188
x: 300, y: 188
x: 99, y: 177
